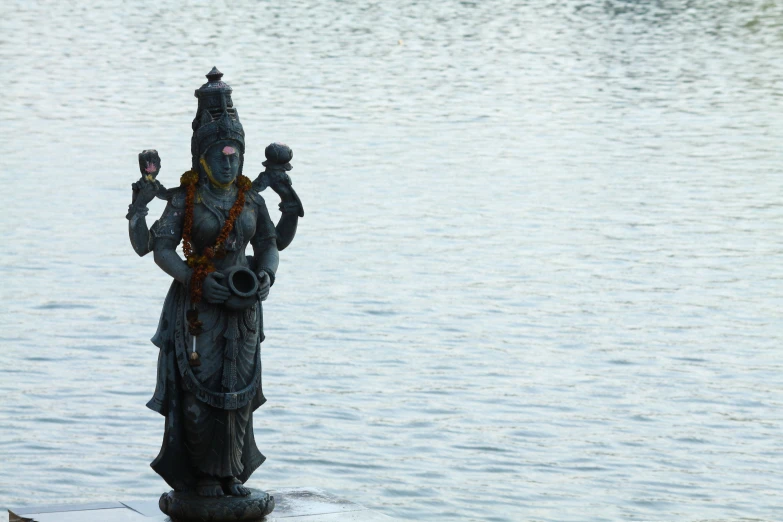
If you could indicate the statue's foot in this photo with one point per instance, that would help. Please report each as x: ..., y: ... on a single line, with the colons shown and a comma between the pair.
x: 209, y: 487
x: 233, y: 486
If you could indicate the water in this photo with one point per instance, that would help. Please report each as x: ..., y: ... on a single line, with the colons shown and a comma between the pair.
x: 538, y: 277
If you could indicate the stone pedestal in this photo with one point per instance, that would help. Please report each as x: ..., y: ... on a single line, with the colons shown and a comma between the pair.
x: 291, y: 505
x: 189, y: 507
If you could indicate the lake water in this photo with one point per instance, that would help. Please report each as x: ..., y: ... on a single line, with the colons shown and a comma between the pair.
x: 539, y: 276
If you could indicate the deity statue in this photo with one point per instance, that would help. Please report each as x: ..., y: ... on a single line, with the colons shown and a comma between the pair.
x: 211, y: 327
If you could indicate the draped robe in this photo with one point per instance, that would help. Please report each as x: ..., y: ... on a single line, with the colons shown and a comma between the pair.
x: 209, y: 408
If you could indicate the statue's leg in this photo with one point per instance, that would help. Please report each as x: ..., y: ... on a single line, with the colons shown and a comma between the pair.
x: 202, y: 422
x: 237, y: 422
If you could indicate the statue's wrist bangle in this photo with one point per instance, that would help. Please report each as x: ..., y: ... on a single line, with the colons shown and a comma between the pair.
x: 290, y: 207
x: 134, y: 209
x: 270, y: 273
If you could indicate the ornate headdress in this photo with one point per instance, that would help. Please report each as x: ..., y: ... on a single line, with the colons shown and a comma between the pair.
x: 216, y: 118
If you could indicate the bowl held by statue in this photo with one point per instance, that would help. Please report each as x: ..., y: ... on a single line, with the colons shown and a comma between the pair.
x: 243, y: 284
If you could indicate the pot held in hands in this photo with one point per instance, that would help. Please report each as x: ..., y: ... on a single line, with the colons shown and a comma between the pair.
x: 243, y: 284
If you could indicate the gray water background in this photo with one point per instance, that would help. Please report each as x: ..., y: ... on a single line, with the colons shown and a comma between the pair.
x: 538, y: 278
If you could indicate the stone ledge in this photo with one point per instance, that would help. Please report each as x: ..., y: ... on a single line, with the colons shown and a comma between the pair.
x: 292, y: 505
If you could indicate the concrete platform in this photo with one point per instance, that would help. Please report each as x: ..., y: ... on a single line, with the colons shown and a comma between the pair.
x: 291, y: 505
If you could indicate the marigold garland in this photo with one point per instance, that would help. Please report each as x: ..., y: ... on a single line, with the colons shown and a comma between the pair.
x: 202, y: 264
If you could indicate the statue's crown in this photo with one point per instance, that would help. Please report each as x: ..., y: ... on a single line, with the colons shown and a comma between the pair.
x: 216, y: 118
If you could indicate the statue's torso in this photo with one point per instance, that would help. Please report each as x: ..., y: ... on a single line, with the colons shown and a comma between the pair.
x: 209, y: 215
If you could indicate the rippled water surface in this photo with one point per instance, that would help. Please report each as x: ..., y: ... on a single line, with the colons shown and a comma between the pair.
x: 539, y: 276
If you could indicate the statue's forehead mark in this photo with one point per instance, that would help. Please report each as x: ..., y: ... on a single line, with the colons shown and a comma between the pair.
x: 151, y: 167
x: 228, y: 150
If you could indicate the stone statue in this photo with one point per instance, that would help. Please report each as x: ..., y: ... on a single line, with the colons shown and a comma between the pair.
x: 211, y: 327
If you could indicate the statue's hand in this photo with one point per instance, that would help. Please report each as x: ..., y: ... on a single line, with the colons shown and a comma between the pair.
x: 147, y: 187
x: 144, y: 191
x: 281, y: 184
x: 263, y: 285
x: 213, y: 290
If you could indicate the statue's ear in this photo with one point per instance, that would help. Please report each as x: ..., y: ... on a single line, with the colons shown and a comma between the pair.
x: 204, y: 167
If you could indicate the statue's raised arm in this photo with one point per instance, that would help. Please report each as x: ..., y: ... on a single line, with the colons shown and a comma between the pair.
x: 144, y: 191
x: 278, y: 163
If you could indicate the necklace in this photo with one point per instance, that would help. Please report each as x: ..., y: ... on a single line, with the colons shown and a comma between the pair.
x: 202, y: 264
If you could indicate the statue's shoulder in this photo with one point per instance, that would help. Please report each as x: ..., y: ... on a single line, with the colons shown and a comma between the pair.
x: 254, y: 197
x: 176, y: 197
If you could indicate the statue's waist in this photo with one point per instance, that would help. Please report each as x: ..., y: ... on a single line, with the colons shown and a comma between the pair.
x: 232, y: 259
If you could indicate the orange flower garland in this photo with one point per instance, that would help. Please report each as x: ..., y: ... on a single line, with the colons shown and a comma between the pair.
x: 202, y: 264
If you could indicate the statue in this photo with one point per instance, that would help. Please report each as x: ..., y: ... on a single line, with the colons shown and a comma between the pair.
x: 211, y: 327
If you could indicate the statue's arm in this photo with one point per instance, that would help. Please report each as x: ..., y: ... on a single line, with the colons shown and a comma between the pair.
x: 137, y: 229
x: 168, y: 260
x: 290, y: 205
x: 291, y: 210
x: 264, y: 242
x: 144, y: 191
x: 166, y: 234
x: 138, y: 232
x: 266, y: 257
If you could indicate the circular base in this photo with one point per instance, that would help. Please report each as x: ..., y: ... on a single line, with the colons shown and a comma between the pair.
x: 187, y: 506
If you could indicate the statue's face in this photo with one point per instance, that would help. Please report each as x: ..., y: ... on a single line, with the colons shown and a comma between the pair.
x: 222, y: 160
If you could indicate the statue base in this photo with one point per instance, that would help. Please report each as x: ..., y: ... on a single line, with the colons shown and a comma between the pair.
x: 187, y: 506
